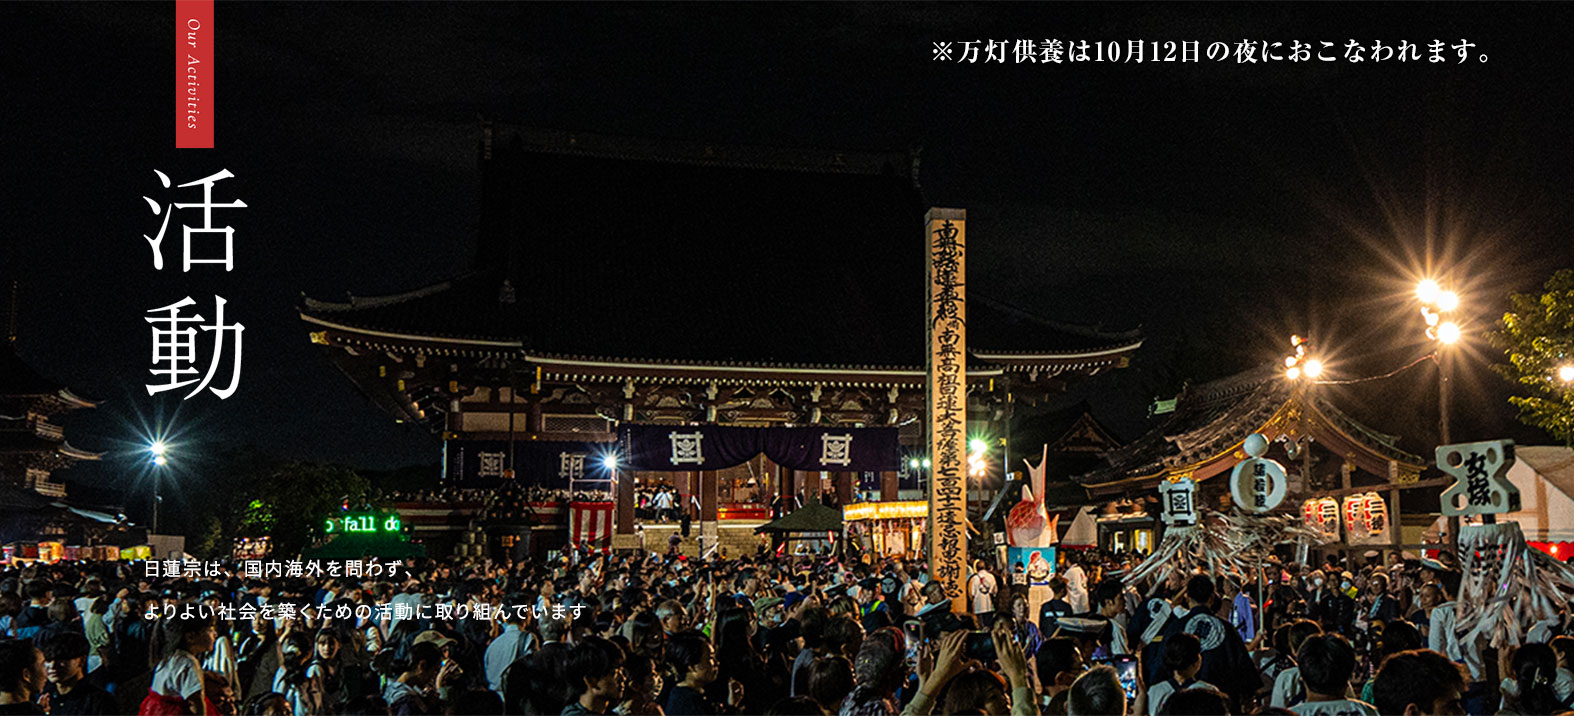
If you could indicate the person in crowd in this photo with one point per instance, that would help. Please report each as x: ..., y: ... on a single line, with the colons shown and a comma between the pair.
x: 416, y: 688
x: 1058, y: 663
x: 178, y: 687
x: 830, y: 680
x: 1110, y: 597
x: 22, y: 677
x: 69, y: 692
x: 595, y: 677
x: 693, y: 661
x: 1182, y: 659
x: 1097, y: 693
x: 1225, y: 662
x: 1288, y: 690
x: 1419, y: 682
x: 1022, y: 627
x: 1076, y: 584
x: 1327, y: 662
x: 642, y: 697
x: 1527, y: 683
x: 1057, y: 606
x: 982, y: 587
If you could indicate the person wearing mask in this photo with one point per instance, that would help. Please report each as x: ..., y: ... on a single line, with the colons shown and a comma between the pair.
x: 1419, y: 683
x: 1335, y: 608
x: 22, y: 677
x: 1327, y: 661
x: 68, y: 693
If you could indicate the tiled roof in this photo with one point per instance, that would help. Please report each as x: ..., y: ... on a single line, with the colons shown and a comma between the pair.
x: 1212, y: 418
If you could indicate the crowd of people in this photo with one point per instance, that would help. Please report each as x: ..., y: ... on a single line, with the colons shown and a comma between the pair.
x: 592, y: 633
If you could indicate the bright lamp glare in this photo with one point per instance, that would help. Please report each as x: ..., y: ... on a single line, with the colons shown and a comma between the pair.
x: 157, y: 448
x: 1448, y: 333
x: 1427, y: 291
x: 1447, y: 301
x: 1566, y: 373
x: 977, y: 446
x: 160, y: 461
x: 1314, y: 368
x: 1293, y: 373
x: 913, y: 463
x: 610, y: 462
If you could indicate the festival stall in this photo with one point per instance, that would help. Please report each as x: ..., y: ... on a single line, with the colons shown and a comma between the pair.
x: 888, y: 529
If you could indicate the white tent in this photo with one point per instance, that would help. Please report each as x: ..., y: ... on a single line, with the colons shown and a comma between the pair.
x: 1083, y: 532
x: 1545, y: 478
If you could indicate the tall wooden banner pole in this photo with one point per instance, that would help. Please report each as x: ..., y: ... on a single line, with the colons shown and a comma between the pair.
x: 946, y: 242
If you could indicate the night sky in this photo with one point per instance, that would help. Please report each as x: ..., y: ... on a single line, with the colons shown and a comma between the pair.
x: 1219, y: 206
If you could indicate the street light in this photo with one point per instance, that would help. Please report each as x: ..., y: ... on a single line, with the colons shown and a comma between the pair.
x: 159, y: 450
x: 1436, y: 305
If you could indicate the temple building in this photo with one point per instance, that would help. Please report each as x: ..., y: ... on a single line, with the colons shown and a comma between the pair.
x: 741, y: 324
x: 1344, y: 478
x: 33, y: 447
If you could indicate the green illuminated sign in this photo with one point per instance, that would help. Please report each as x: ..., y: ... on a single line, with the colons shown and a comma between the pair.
x: 362, y: 524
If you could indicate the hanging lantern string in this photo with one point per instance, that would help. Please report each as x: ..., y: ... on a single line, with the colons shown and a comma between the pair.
x: 1430, y: 356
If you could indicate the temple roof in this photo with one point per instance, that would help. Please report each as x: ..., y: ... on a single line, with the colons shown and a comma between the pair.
x: 645, y: 249
x: 1212, y: 420
x: 17, y: 378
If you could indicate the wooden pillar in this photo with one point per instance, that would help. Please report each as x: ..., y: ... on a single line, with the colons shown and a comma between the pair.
x: 844, y: 486
x: 707, y: 481
x: 625, y: 502
x: 888, y: 486
x: 786, y: 486
x: 1396, y: 527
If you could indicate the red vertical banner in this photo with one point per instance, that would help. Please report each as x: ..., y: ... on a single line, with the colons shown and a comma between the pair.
x: 193, y: 74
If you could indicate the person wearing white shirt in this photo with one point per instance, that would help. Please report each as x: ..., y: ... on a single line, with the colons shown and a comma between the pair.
x: 1077, y: 588
x: 982, y: 587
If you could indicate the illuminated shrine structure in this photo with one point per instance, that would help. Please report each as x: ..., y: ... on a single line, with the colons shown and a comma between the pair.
x: 755, y: 310
x: 1344, y: 478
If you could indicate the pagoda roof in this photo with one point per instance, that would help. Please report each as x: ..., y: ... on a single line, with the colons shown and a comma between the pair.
x: 655, y: 250
x: 29, y: 441
x: 1203, y: 437
x: 20, y: 380
x: 17, y: 378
